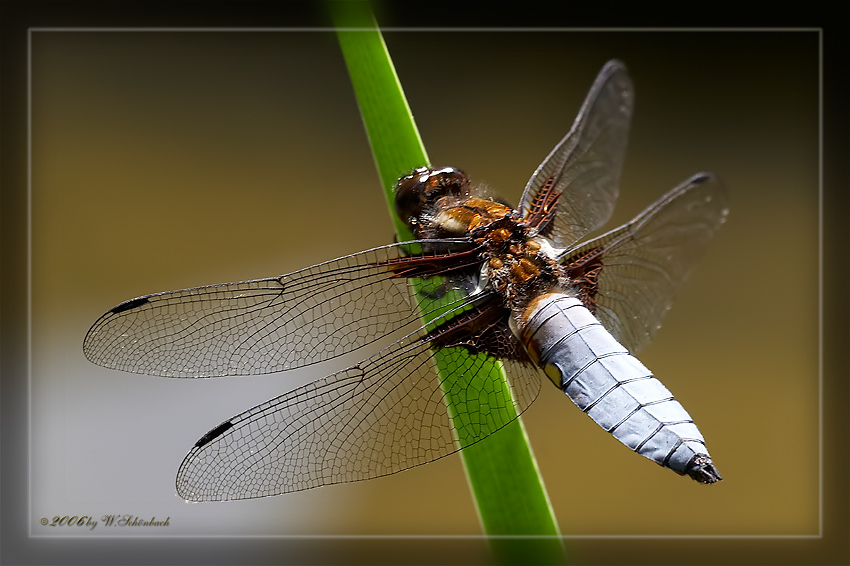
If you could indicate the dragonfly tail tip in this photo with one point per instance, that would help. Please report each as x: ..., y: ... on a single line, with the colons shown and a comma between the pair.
x: 702, y: 469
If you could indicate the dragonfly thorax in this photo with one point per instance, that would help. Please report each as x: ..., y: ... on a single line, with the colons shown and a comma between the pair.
x: 469, y: 217
x: 515, y: 265
x: 521, y: 271
x: 437, y: 203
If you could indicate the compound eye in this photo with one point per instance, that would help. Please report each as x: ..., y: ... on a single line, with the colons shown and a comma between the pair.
x: 424, y: 186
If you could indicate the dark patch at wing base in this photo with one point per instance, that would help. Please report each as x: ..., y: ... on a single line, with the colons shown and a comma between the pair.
x: 543, y: 208
x: 583, y: 270
x: 482, y: 330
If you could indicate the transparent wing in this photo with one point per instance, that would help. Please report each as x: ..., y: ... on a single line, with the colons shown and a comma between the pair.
x: 637, y: 268
x: 268, y: 325
x: 383, y: 415
x: 583, y: 171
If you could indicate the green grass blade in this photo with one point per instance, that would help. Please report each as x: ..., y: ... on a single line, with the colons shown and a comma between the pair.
x: 393, y: 136
x: 506, y: 486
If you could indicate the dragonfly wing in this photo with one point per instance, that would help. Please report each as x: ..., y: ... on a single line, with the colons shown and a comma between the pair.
x: 383, y: 415
x: 273, y: 324
x: 630, y: 275
x: 574, y: 190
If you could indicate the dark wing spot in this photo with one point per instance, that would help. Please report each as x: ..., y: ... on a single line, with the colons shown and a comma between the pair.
x: 482, y: 329
x: 131, y: 304
x: 213, y: 434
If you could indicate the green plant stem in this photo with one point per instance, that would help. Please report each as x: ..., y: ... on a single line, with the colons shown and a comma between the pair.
x: 502, y: 473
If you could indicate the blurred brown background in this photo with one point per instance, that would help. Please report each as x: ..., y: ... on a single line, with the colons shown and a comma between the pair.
x: 163, y: 160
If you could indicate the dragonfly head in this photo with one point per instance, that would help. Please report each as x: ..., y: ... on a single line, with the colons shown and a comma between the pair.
x: 419, y: 190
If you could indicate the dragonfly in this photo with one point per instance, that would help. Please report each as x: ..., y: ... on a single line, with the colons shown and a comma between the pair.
x: 467, y: 318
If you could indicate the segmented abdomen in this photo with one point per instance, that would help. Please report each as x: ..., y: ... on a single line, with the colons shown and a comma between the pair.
x: 615, y: 389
